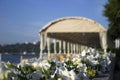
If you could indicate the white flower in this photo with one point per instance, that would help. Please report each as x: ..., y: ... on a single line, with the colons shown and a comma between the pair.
x: 53, y: 60
x: 77, y: 55
x: 59, y: 79
x: 76, y: 60
x: 82, y: 76
x: 35, y: 75
x: 52, y: 76
x: 40, y: 64
x: 80, y: 65
x: 59, y: 64
x: 83, y: 53
x: 90, y: 57
x: 92, y: 50
x: 108, y: 60
x: 93, y: 62
x: 35, y: 64
x: 72, y: 75
x: 63, y: 68
x: 66, y: 59
x: 88, y: 51
x: 85, y: 76
x: 68, y: 75
x: 97, y: 55
x: 84, y: 68
x: 65, y: 74
x: 58, y: 71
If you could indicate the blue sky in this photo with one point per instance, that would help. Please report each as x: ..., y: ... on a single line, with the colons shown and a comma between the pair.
x: 21, y: 20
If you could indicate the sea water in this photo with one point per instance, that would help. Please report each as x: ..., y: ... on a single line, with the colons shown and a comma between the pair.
x: 15, y: 57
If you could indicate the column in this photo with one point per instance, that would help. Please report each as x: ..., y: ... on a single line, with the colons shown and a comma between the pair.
x: 117, y: 43
x: 74, y: 48
x: 77, y: 48
x: 68, y: 47
x: 64, y: 47
x: 71, y: 48
x: 0, y: 57
x: 60, y: 46
x: 48, y: 46
x: 82, y: 48
x: 103, y: 42
x: 86, y: 48
x: 41, y: 46
x: 55, y: 51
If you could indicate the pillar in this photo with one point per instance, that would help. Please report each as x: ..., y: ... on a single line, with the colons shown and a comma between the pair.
x: 74, y: 48
x: 77, y: 48
x: 64, y: 47
x: 48, y: 46
x: 55, y: 51
x: 41, y: 46
x: 82, y: 48
x: 103, y: 40
x: 117, y: 43
x: 60, y: 47
x: 71, y: 48
x: 68, y: 47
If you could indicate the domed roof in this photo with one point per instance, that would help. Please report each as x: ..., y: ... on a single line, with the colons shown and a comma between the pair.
x: 73, y: 24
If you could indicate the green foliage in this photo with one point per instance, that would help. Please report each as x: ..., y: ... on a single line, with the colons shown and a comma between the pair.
x: 69, y: 65
x: 45, y: 73
x: 5, y: 76
x: 22, y: 71
x: 10, y: 65
x: 112, y: 12
x: 91, y: 73
x: 51, y: 71
x: 77, y: 69
x: 53, y: 66
x: 112, y: 49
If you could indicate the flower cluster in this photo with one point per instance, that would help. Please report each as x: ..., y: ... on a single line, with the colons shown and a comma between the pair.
x: 84, y: 66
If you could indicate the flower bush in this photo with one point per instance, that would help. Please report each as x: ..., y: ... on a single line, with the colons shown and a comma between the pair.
x: 84, y: 66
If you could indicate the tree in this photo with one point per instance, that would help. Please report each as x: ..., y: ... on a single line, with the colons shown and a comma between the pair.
x: 112, y: 12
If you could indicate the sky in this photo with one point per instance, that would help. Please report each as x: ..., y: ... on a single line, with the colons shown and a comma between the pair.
x: 21, y: 20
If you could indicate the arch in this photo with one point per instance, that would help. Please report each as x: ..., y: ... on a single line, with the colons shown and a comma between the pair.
x: 76, y: 30
x: 71, y: 22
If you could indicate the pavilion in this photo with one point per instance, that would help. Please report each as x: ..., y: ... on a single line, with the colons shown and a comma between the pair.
x: 74, y: 33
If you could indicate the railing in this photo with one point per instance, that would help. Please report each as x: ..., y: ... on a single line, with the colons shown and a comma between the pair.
x: 117, y: 43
